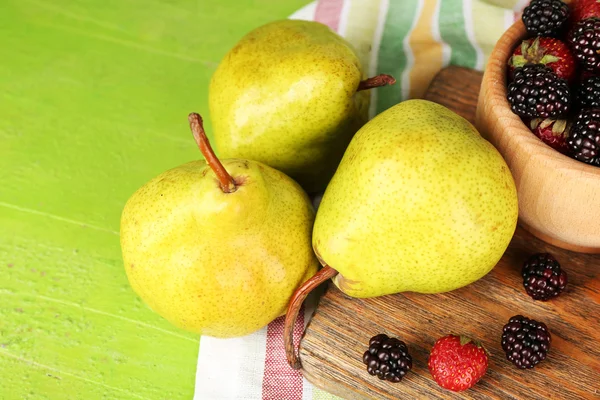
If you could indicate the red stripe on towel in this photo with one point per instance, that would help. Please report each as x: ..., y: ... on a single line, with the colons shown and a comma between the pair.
x: 328, y: 12
x: 280, y: 381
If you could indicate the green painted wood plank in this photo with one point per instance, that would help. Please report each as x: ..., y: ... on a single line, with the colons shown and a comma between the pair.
x: 93, y: 102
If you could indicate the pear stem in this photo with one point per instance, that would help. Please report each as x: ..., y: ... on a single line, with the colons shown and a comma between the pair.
x: 293, y: 310
x: 226, y: 181
x: 375, y: 82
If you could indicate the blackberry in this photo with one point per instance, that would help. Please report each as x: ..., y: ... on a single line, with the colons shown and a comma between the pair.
x: 584, y: 141
x: 588, y: 92
x: 525, y: 341
x: 387, y: 358
x: 545, y: 17
x: 542, y: 277
x: 536, y: 91
x: 585, y: 42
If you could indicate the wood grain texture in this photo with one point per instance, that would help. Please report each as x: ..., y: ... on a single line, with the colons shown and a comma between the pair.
x: 456, y: 88
x: 559, y: 198
x: 338, y: 334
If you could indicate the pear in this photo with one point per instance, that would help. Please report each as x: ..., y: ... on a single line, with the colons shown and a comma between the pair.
x: 218, y: 248
x: 420, y: 203
x: 290, y: 94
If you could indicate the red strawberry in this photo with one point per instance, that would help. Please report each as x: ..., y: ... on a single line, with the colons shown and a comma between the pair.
x: 553, y: 132
x: 542, y: 50
x: 457, y: 363
x: 582, y: 9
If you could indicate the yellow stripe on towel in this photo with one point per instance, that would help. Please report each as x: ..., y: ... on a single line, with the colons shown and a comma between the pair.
x: 427, y: 52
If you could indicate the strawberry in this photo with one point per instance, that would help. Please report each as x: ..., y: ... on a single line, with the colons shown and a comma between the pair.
x: 543, y: 50
x: 553, y: 132
x: 457, y: 363
x: 582, y: 9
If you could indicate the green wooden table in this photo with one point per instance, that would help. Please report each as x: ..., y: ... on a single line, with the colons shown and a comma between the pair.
x: 94, y: 97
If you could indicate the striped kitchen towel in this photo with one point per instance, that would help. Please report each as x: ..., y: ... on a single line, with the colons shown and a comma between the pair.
x: 411, y: 40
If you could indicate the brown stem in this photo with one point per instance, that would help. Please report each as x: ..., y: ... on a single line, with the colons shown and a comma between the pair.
x: 226, y: 181
x: 294, y: 308
x: 375, y: 82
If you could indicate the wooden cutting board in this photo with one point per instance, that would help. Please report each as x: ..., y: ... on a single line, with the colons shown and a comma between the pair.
x: 338, y: 334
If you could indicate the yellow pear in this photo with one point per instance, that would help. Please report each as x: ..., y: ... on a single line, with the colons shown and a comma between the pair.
x: 290, y: 94
x: 420, y: 202
x: 216, y: 247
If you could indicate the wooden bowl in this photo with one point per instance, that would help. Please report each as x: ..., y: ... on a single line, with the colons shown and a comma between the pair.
x: 559, y: 197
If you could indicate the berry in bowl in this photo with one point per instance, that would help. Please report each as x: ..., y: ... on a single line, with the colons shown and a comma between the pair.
x: 539, y: 105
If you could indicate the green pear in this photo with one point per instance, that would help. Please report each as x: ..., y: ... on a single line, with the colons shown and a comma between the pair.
x: 218, y: 248
x: 420, y: 202
x: 291, y: 95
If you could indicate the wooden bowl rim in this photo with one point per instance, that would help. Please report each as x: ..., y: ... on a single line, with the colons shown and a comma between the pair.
x: 496, y: 72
